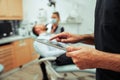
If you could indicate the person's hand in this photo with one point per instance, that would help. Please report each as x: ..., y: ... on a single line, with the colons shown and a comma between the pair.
x: 83, y: 57
x: 67, y: 37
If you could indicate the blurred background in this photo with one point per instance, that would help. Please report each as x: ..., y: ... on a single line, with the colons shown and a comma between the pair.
x: 17, y: 18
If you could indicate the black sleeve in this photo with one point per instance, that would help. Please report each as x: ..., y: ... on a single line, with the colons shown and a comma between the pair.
x: 62, y: 29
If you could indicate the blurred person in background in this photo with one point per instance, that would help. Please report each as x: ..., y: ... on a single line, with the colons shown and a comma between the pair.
x: 53, y: 26
x: 47, y: 51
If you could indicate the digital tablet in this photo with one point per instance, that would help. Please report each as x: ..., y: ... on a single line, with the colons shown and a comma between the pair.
x: 51, y: 43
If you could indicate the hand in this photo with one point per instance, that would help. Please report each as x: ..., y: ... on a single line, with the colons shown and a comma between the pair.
x: 67, y: 37
x: 83, y: 57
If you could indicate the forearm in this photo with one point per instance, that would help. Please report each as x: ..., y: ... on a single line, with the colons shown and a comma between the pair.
x: 107, y: 61
x: 87, y: 39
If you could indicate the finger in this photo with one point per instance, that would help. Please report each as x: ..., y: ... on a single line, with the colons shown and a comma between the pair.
x: 65, y: 40
x: 75, y: 60
x: 54, y: 37
x: 73, y: 53
x: 59, y: 40
x: 70, y: 48
x: 62, y: 40
x: 78, y: 64
x: 69, y: 54
x: 60, y: 35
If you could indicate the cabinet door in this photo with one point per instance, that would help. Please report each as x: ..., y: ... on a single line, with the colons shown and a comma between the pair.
x: 22, y: 52
x: 3, y: 8
x: 11, y: 10
x: 15, y: 9
x: 32, y: 50
x: 7, y: 57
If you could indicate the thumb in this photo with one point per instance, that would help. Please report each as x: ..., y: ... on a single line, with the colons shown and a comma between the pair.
x: 71, y: 48
x: 73, y: 53
x: 65, y: 40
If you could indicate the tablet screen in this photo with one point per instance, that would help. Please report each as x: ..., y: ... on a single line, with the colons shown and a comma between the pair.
x: 52, y: 43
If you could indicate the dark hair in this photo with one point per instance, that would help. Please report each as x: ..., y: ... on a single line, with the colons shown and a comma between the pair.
x: 33, y: 30
x: 57, y: 13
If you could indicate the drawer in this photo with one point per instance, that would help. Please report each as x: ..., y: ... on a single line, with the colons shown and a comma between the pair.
x: 6, y: 59
x: 6, y: 51
x: 7, y: 63
x: 5, y: 55
x: 5, y: 47
x: 21, y: 44
x: 8, y: 67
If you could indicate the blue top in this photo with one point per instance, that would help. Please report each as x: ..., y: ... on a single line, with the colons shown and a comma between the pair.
x: 45, y: 50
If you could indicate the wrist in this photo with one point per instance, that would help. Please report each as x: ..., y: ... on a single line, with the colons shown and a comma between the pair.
x: 88, y: 36
x: 100, y: 59
x: 96, y: 59
x: 87, y: 39
x: 84, y: 37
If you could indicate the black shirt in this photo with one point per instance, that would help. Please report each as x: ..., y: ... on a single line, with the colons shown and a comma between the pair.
x: 107, y: 33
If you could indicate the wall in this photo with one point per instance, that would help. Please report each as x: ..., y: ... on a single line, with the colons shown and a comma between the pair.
x: 81, y: 10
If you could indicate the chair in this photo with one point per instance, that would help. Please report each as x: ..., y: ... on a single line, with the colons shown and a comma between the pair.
x: 1, y: 68
x: 53, y: 70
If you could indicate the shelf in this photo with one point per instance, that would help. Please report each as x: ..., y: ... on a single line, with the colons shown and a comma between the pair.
x: 12, y: 38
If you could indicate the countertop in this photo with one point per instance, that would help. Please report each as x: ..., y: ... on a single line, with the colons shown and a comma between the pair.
x: 12, y: 38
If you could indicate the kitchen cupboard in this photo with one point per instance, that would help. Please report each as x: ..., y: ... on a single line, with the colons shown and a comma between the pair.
x: 11, y: 10
x: 3, y: 8
x: 17, y: 53
x: 22, y: 51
